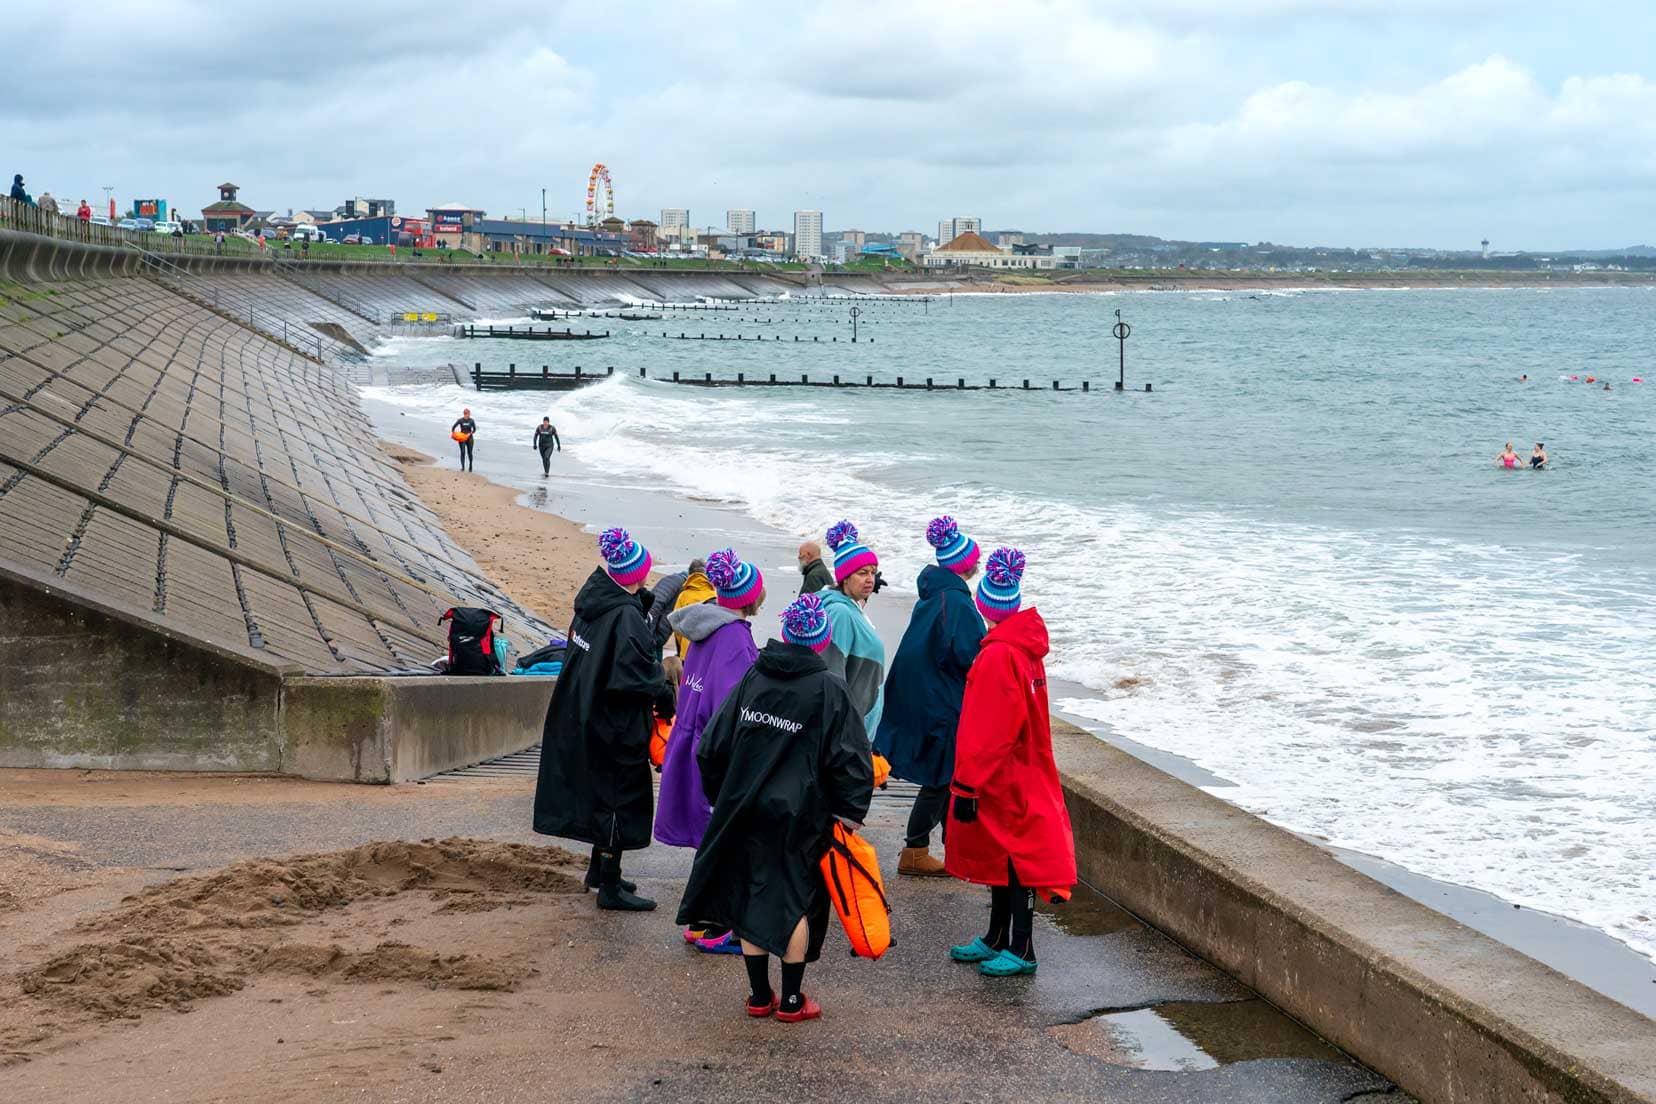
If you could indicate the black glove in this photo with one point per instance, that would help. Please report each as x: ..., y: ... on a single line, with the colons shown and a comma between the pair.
x: 666, y: 703
x: 965, y: 809
x: 879, y: 581
x: 646, y: 599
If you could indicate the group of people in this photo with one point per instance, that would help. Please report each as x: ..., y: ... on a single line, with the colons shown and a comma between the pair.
x: 464, y: 433
x: 771, y: 748
x: 1511, y: 461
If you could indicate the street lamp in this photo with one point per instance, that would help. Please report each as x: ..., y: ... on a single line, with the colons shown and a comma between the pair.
x: 109, y: 198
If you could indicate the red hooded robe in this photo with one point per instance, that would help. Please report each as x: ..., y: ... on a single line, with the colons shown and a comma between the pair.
x: 1003, y: 757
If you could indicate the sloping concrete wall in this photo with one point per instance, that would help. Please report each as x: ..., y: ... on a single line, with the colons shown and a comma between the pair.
x: 86, y: 683
x: 1449, y: 1014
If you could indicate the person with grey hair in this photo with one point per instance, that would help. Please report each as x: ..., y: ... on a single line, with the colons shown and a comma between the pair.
x: 817, y: 575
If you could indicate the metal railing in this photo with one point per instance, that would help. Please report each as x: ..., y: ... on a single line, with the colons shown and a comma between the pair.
x: 237, y: 304
x: 29, y: 218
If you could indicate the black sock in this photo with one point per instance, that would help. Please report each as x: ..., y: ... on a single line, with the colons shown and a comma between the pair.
x: 793, y: 976
x: 1000, y: 916
x: 759, y: 986
x: 1023, y: 923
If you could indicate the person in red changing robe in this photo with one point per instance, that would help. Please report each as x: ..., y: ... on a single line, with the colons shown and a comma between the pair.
x: 1008, y: 826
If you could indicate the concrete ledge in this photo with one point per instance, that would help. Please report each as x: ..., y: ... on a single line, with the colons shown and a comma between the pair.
x: 399, y: 729
x: 1447, y: 1013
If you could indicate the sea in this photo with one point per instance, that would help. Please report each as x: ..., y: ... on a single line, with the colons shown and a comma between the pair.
x: 1292, y: 561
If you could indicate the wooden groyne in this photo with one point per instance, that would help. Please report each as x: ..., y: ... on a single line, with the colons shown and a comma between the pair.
x: 512, y: 333
x: 547, y: 380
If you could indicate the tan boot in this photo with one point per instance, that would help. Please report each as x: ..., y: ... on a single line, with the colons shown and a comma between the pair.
x: 918, y: 863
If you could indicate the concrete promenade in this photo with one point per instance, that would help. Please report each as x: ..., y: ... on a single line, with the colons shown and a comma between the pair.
x: 609, y: 1007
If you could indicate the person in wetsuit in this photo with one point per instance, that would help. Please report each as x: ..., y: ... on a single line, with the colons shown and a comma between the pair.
x: 546, y: 439
x: 464, y: 424
x: 1538, y: 458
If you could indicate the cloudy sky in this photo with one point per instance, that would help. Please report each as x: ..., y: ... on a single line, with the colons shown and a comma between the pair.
x: 1343, y: 122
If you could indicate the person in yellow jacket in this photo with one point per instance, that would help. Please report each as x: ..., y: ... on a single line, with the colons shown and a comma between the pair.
x: 696, y: 590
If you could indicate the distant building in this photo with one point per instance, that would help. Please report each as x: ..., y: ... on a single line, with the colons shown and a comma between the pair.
x: 911, y: 243
x: 842, y: 251
x: 365, y: 208
x: 642, y: 236
x: 455, y: 225
x: 229, y: 213
x: 950, y: 229
x: 741, y: 220
x: 774, y: 241
x: 1009, y: 239
x: 856, y: 238
x: 378, y: 230
x: 973, y: 249
x: 808, y: 234
x: 675, y: 223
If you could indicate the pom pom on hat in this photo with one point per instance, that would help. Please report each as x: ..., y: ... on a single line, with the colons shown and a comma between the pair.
x: 955, y: 550
x: 626, y: 561
x: 738, y: 583
x: 1000, y: 592
x: 805, y: 621
x: 850, y: 555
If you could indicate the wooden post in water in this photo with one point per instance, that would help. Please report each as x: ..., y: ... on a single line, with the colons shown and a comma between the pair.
x: 961, y: 384
x: 511, y: 370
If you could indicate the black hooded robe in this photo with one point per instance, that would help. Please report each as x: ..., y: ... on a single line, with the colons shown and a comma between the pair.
x: 784, y: 755
x: 595, y: 778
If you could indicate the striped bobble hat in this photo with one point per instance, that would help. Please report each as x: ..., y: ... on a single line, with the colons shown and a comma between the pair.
x: 805, y: 621
x: 738, y: 583
x: 850, y: 554
x: 1000, y: 592
x: 955, y: 550
x: 624, y: 558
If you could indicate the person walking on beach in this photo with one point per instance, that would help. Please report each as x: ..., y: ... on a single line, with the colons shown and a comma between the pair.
x: 723, y: 634
x: 464, y: 431
x: 595, y: 776
x: 1008, y: 827
x: 546, y: 439
x: 817, y: 575
x: 1508, y: 459
x: 924, y: 690
x: 1538, y: 458
x: 782, y: 760
x: 856, y: 653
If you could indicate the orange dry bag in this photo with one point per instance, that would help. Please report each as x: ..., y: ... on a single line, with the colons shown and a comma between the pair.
x: 882, y: 771
x: 658, y: 742
x: 461, y: 435
x: 852, y: 871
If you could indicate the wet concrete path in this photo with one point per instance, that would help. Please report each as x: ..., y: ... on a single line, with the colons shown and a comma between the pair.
x: 619, y: 1009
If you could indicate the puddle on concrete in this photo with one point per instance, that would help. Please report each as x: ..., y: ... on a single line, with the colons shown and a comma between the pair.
x: 1185, y: 1036
x: 1087, y: 913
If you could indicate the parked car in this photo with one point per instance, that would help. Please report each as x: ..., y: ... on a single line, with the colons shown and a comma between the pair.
x: 99, y: 220
x: 145, y: 224
x: 302, y: 232
x: 357, y: 239
x: 167, y: 227
x: 127, y: 224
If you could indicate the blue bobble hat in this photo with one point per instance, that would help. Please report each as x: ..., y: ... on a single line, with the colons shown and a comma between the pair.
x: 625, y: 559
x: 1000, y: 592
x: 738, y: 584
x: 805, y: 621
x: 850, y: 554
x: 955, y: 550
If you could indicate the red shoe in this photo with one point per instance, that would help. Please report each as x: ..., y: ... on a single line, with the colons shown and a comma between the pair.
x: 760, y: 1011
x: 808, y: 1010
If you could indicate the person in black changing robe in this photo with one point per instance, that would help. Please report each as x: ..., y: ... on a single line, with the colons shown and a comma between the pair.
x: 781, y: 759
x: 595, y: 776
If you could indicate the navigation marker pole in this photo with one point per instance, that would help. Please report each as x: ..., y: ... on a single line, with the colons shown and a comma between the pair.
x: 1121, y: 330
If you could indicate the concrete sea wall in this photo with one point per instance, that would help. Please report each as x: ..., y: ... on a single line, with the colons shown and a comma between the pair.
x: 1449, y: 1014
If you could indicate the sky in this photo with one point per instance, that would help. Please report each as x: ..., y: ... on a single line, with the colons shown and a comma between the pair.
x: 1313, y: 122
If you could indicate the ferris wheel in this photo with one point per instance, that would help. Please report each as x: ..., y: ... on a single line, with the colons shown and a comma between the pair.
x: 598, y: 181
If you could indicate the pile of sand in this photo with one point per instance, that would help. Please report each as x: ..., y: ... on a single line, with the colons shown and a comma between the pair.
x: 209, y: 935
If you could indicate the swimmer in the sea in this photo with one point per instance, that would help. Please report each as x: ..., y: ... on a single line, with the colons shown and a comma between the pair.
x: 1607, y: 385
x: 1523, y: 378
x: 1538, y: 458
x: 1507, y: 459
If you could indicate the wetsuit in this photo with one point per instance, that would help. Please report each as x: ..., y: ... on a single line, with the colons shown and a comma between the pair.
x: 546, y: 439
x: 468, y: 427
x: 1538, y: 462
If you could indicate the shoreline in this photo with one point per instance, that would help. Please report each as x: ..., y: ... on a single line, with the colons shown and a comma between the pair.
x: 1295, y: 281
x: 513, y: 515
